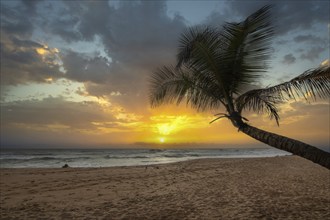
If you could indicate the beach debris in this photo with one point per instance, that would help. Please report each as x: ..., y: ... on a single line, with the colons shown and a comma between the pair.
x: 65, y: 166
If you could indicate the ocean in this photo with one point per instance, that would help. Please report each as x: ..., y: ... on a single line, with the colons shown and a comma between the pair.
x: 56, y: 158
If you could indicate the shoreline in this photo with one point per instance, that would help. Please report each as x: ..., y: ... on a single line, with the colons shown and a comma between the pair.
x: 146, y: 165
x: 115, y: 158
x: 282, y: 187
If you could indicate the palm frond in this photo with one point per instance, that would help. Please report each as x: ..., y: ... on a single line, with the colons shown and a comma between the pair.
x: 190, y: 38
x: 235, y: 54
x: 173, y: 85
x: 199, y: 51
x: 259, y: 102
x: 248, y: 47
x: 311, y: 84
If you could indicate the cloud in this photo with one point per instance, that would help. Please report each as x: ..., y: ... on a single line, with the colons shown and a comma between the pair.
x: 282, y: 42
x: 289, y: 59
x: 216, y: 19
x: 138, y: 33
x: 64, y: 26
x: 307, y: 122
x: 42, y: 41
x: 15, y: 21
x: 31, y: 5
x: 312, y: 54
x: 289, y: 15
x: 309, y: 38
x: 52, y: 111
x: 57, y: 122
x: 314, y: 116
x: 55, y: 114
x: 143, y: 34
x: 82, y: 68
x: 137, y: 36
x: 314, y: 46
x: 25, y: 61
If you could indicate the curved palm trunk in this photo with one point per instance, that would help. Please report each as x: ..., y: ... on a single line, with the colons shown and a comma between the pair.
x: 293, y: 146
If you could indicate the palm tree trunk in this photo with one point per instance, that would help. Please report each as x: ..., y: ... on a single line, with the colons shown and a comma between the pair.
x: 293, y: 146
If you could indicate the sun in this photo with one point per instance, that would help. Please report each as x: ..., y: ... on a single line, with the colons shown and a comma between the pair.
x: 161, y: 140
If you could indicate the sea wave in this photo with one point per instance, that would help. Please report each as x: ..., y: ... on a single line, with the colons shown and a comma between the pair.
x: 43, y: 159
x: 120, y: 157
x: 181, y: 155
x: 124, y: 157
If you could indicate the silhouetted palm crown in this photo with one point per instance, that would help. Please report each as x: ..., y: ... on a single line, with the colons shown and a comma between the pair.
x: 215, y: 66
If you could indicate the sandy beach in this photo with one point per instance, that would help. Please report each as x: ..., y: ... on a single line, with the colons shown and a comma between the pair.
x: 253, y: 188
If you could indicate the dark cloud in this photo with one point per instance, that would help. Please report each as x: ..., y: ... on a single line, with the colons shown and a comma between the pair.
x: 95, y: 19
x: 313, y: 46
x: 79, y: 20
x: 82, y: 68
x: 138, y: 36
x: 312, y: 54
x: 310, y: 39
x: 52, y: 111
x: 217, y: 19
x: 288, y: 15
x: 143, y: 35
x: 282, y: 42
x: 138, y: 33
x: 21, y: 62
x: 106, y: 79
x: 15, y: 20
x: 27, y: 44
x: 289, y: 59
x: 31, y: 5
x: 52, y: 121
x: 130, y: 95
x: 65, y: 26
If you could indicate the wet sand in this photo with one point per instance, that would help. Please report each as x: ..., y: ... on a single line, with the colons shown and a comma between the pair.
x: 253, y: 188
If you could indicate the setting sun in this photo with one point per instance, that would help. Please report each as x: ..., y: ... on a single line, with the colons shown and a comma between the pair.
x: 161, y: 140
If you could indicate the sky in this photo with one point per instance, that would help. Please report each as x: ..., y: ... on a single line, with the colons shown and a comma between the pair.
x: 75, y: 73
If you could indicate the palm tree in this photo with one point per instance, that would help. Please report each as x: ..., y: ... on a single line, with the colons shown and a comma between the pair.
x: 214, y: 68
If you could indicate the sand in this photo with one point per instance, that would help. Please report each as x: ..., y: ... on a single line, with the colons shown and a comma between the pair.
x: 253, y: 188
